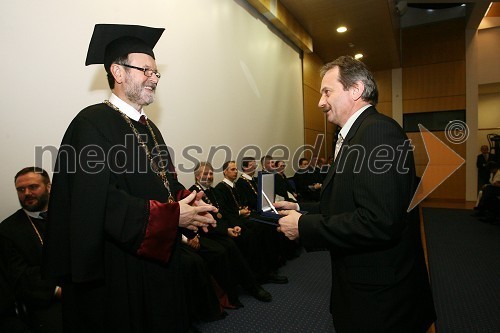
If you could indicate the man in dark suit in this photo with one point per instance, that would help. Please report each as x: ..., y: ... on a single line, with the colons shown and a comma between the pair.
x: 483, y: 170
x: 21, y: 239
x: 379, y: 278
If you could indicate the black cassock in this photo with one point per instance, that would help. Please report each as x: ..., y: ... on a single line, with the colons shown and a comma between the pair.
x: 112, y: 238
x: 21, y: 256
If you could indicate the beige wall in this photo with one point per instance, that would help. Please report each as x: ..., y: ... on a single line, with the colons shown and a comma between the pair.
x: 489, y: 107
x: 489, y: 84
x: 489, y: 113
x: 222, y: 74
x: 489, y: 55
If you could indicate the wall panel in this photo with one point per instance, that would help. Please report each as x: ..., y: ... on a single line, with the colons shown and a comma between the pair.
x: 434, y: 79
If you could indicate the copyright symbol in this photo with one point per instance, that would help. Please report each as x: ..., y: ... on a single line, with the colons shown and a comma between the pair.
x: 456, y: 131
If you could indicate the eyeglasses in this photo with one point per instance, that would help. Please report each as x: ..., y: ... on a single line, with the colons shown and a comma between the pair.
x: 147, y: 71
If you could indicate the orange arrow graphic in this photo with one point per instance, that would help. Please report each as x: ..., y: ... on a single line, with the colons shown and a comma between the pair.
x: 443, y: 162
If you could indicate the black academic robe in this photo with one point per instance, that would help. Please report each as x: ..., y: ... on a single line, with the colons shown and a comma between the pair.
x: 239, y: 271
x: 21, y: 252
x: 379, y: 277
x: 258, y: 242
x: 201, y: 296
x: 303, y: 179
x: 247, y: 191
x: 112, y: 238
x: 283, y: 188
x: 210, y: 198
x: 483, y: 170
x: 9, y: 320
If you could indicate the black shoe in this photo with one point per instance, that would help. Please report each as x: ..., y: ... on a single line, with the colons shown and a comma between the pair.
x: 260, y: 294
x: 275, y: 278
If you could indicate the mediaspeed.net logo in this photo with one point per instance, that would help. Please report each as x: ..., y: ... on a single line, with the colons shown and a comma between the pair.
x: 443, y: 161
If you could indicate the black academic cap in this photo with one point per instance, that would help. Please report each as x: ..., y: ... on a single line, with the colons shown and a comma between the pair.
x: 111, y: 41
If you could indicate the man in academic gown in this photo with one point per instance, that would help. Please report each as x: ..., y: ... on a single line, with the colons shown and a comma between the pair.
x: 22, y: 237
x: 282, y: 185
x: 237, y: 266
x: 246, y: 184
x: 259, y: 242
x: 379, y: 277
x: 116, y: 203
x: 308, y: 186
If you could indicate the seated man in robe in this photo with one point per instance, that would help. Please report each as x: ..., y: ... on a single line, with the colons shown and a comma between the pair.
x: 258, y: 242
x: 232, y: 268
x: 308, y: 186
x: 22, y: 236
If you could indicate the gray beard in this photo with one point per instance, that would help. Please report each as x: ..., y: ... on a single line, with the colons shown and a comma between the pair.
x: 133, y: 93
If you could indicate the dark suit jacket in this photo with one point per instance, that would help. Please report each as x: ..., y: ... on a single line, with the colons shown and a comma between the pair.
x: 380, y: 281
x: 21, y: 252
x: 483, y: 171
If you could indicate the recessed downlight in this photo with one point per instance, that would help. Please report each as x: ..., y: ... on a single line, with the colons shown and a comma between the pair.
x: 358, y: 56
x: 341, y: 29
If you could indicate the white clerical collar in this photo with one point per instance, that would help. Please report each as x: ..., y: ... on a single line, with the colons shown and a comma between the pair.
x: 228, y: 182
x: 200, y: 185
x: 35, y: 215
x: 129, y: 110
x: 347, y: 126
x: 244, y: 175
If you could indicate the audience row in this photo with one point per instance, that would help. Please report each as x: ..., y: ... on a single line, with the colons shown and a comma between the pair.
x: 238, y: 252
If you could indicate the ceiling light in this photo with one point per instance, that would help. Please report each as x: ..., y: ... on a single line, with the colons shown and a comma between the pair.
x: 358, y: 56
x: 341, y: 29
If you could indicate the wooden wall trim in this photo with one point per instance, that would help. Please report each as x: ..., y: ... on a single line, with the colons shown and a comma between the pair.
x: 281, y: 18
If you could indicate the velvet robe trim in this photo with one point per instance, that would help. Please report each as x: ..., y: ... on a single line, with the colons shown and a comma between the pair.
x: 161, y: 231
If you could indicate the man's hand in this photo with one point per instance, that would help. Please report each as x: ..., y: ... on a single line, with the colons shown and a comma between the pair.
x: 289, y: 224
x: 244, y: 212
x: 286, y: 205
x: 194, y: 242
x: 234, y: 232
x: 315, y: 186
x: 194, y: 213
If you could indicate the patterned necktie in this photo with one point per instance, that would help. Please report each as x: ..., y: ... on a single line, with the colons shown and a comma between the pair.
x: 340, y: 140
x: 142, y: 120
